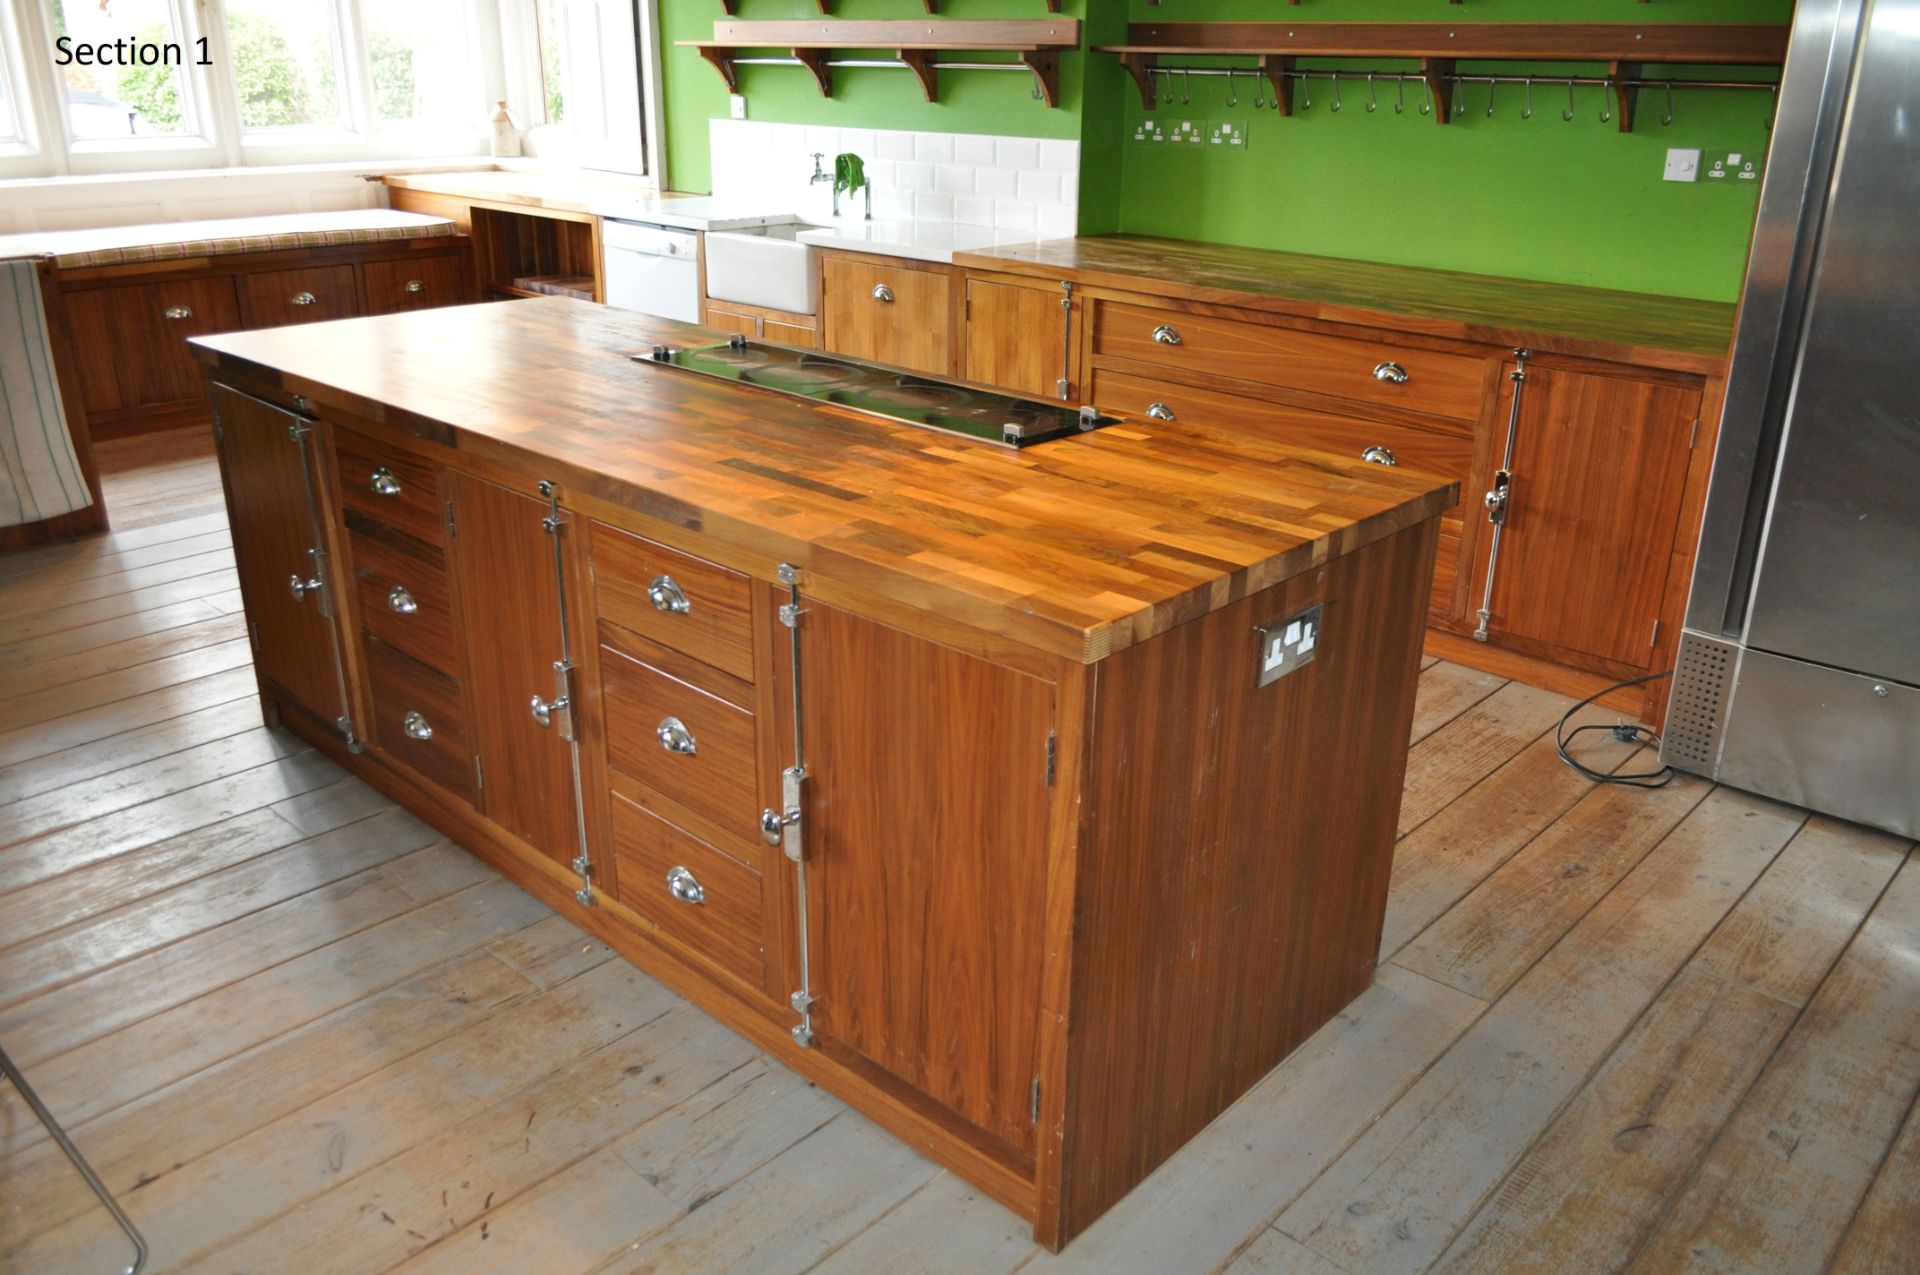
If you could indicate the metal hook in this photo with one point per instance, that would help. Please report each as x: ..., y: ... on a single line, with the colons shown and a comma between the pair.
x: 1459, y: 97
x: 1400, y: 101
x: 1606, y: 100
x: 1668, y: 117
x: 1233, y: 97
x: 1166, y: 87
x: 1306, y: 90
x: 1373, y: 103
x: 1426, y: 92
x: 1528, y: 113
x: 1186, y: 88
x: 1259, y: 91
x: 1572, y: 106
x: 1493, y: 90
x: 1773, y: 105
x: 1336, y: 91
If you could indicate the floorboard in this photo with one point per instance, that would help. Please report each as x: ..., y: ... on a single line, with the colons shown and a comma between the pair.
x: 298, y: 1031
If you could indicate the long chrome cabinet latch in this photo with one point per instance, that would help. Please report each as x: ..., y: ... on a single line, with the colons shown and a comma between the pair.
x: 1064, y: 386
x: 785, y: 827
x: 300, y: 433
x: 560, y: 710
x: 1499, y: 497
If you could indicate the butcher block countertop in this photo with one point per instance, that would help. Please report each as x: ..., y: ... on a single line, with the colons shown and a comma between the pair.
x: 1668, y: 332
x: 1078, y: 548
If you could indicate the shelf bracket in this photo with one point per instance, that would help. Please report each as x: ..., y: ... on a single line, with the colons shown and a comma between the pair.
x: 920, y: 62
x: 1140, y: 67
x: 1625, y: 97
x: 722, y: 61
x: 1045, y: 65
x: 1438, y: 73
x: 815, y: 60
x: 1276, y: 67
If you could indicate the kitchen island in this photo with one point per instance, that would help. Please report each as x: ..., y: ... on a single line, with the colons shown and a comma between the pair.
x: 1036, y: 802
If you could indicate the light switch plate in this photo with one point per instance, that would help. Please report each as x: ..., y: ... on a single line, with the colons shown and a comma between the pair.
x: 1683, y: 164
x: 1288, y: 644
x: 737, y: 105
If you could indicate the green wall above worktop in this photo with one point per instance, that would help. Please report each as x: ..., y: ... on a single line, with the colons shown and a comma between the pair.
x: 1540, y: 198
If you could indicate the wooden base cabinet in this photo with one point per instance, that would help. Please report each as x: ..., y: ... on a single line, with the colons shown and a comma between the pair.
x: 1043, y: 919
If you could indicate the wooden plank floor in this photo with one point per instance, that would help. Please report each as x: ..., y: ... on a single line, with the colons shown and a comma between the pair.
x: 297, y: 1031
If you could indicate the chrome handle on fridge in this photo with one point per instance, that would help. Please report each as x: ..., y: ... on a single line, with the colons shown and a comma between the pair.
x: 667, y: 596
x: 1166, y: 334
x: 684, y: 886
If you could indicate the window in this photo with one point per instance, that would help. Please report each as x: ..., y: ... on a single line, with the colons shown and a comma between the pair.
x: 419, y: 64
x: 284, y: 60
x: 136, y: 87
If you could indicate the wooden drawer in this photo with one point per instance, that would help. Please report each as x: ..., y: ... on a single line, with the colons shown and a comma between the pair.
x: 393, y: 488
x: 413, y: 284
x: 716, y: 625
x: 406, y: 602
x: 724, y: 925
x: 1430, y: 451
x: 1443, y: 384
x: 403, y: 687
x: 717, y: 779
x: 887, y: 314
x: 275, y: 298
x: 131, y: 339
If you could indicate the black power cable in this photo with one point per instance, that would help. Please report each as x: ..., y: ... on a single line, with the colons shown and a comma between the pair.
x: 1625, y: 732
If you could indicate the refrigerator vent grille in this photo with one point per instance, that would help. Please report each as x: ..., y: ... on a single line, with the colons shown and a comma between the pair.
x: 1701, y: 681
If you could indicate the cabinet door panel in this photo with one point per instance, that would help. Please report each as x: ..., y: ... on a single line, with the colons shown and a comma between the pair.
x: 1599, y: 463
x: 1016, y: 338
x: 273, y: 530
x: 134, y: 339
x: 276, y: 298
x: 510, y: 611
x: 926, y: 829
x: 887, y: 314
x: 413, y: 284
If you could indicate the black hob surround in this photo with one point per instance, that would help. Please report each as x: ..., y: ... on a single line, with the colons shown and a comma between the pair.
x: 896, y: 396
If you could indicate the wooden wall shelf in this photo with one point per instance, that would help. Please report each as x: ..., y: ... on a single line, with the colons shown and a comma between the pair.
x: 916, y: 44
x: 933, y: 6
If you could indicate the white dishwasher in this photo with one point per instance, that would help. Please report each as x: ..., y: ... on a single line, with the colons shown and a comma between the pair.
x: 652, y: 269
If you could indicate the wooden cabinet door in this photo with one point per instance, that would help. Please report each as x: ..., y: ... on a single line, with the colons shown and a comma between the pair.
x: 417, y: 283
x: 1599, y: 464
x: 1016, y: 338
x: 926, y: 829
x: 510, y: 613
x: 267, y: 461
x: 886, y: 314
x: 276, y: 298
x: 133, y: 339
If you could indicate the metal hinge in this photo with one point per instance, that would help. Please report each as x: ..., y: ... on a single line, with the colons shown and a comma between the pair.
x: 219, y: 432
x: 1050, y: 757
x: 479, y: 774
x: 1694, y: 437
x: 253, y: 632
x: 1033, y: 1107
x: 1654, y: 638
x: 450, y: 527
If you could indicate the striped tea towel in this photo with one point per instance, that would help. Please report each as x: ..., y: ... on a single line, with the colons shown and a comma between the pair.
x: 39, y: 474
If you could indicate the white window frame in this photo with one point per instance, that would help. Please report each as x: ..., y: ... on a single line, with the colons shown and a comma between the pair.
x: 499, y: 41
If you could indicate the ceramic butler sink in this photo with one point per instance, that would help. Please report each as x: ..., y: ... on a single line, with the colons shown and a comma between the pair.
x: 763, y: 267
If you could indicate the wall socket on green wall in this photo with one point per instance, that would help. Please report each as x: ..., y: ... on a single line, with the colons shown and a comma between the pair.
x: 1173, y: 132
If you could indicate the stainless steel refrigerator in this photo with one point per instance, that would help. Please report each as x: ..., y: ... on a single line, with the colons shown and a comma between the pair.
x: 1799, y: 673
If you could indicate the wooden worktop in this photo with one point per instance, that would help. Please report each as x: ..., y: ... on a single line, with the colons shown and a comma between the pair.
x: 1671, y: 332
x: 1079, y: 547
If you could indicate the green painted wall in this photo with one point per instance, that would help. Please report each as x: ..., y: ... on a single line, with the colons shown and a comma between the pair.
x: 1535, y: 198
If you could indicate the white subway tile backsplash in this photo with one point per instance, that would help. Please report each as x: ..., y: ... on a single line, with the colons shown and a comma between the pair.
x: 1061, y: 158
x: 917, y: 178
x: 953, y: 179
x: 1015, y: 214
x: 860, y: 141
x: 894, y: 145
x: 973, y: 149
x: 971, y: 210
x: 933, y: 148
x: 1058, y: 221
x: 1040, y: 188
x: 893, y: 205
x: 997, y: 183
x: 1017, y: 152
x: 933, y: 207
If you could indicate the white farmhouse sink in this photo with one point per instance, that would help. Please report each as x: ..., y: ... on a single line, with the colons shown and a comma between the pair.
x: 763, y: 267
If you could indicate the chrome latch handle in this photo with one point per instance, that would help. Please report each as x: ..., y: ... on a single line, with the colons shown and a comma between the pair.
x: 401, y: 601
x: 676, y: 738
x: 416, y: 726
x: 1377, y: 455
x: 684, y: 886
x: 301, y: 588
x: 304, y: 298
x: 1391, y: 373
x: 881, y: 292
x: 1166, y: 334
x: 383, y: 482
x: 1496, y: 499
x: 544, y: 710
x: 1159, y: 411
x: 666, y: 595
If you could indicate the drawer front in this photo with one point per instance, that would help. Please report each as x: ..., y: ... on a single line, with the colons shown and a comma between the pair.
x: 888, y: 314
x: 711, y: 771
x: 689, y: 889
x: 693, y: 606
x: 406, y: 602
x: 275, y: 298
x: 415, y: 284
x: 1144, y: 400
x: 394, y: 489
x: 419, y: 718
x: 1371, y: 371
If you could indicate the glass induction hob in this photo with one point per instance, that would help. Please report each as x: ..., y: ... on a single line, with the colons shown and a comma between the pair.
x: 896, y: 396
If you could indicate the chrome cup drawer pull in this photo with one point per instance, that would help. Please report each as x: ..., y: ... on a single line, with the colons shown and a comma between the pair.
x: 666, y: 595
x: 383, y: 482
x: 416, y: 285
x: 304, y: 298
x: 881, y: 292
x: 1379, y: 456
x: 400, y: 601
x: 676, y: 738
x: 1391, y: 373
x: 416, y: 726
x: 1166, y: 334
x: 684, y: 886
x: 1159, y: 411
x: 177, y: 312
x: 301, y: 588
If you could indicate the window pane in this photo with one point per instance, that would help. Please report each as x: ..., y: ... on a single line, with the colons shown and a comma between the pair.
x: 286, y: 63
x: 9, y: 122
x: 422, y: 71
x: 550, y: 17
x: 120, y: 100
